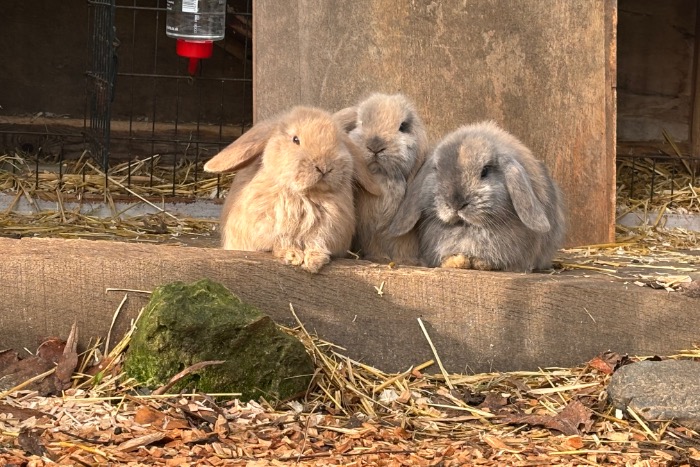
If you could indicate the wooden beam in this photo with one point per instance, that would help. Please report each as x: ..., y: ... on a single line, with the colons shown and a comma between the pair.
x: 478, y: 321
x: 610, y: 157
x: 64, y: 137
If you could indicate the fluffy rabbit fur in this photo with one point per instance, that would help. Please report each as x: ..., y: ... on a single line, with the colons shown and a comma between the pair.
x: 482, y: 201
x: 293, y: 190
x: 394, y: 142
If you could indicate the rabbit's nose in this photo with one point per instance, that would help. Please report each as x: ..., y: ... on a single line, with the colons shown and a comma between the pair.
x: 323, y: 170
x: 460, y: 202
x: 375, y: 145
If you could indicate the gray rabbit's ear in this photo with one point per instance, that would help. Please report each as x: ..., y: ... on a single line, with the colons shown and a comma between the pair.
x: 244, y: 150
x: 409, y: 212
x: 529, y: 209
x: 346, y: 119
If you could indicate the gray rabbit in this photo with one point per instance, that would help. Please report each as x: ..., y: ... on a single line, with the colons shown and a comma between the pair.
x: 482, y: 201
x: 394, y: 141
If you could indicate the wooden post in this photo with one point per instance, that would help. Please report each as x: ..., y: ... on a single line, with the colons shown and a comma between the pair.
x: 543, y: 69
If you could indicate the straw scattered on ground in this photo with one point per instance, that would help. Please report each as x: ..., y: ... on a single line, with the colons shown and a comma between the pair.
x: 146, y: 182
x: 153, y: 177
x: 665, y: 180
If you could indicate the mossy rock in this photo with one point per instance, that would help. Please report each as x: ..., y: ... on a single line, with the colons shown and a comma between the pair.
x: 184, y: 324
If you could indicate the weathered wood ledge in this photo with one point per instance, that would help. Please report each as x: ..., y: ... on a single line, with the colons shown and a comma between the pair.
x: 478, y: 321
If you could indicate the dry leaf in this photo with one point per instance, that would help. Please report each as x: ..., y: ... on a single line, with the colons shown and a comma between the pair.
x: 30, y: 441
x: 605, y: 362
x: 567, y: 421
x: 493, y: 402
x: 574, y: 442
x: 67, y: 364
x: 51, y: 349
x: 148, y: 416
x: 21, y: 413
x: 7, y: 358
x: 573, y: 416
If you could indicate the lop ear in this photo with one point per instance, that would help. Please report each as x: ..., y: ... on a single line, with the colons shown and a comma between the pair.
x: 241, y: 152
x: 411, y: 206
x: 529, y: 209
x: 362, y: 174
x: 346, y: 119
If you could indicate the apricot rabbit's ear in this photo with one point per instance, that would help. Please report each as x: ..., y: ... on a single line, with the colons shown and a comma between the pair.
x: 346, y: 118
x: 244, y: 150
x: 362, y: 174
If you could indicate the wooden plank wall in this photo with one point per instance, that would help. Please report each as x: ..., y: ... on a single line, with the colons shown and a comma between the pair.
x: 656, y: 84
x: 541, y: 68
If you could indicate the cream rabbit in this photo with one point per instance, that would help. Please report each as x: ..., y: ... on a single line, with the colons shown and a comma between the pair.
x: 293, y: 190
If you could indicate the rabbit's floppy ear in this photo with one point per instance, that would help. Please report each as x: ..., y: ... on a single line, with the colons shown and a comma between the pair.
x: 361, y: 172
x: 346, y: 119
x: 410, y: 208
x: 241, y: 152
x: 529, y: 209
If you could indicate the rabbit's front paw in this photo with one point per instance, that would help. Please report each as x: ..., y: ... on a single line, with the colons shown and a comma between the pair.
x: 314, y: 260
x: 456, y: 262
x: 293, y: 256
x: 461, y: 261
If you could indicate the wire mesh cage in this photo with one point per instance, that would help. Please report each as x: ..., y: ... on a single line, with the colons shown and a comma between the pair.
x: 165, y: 121
x: 656, y: 179
x: 101, y: 76
x: 147, y: 125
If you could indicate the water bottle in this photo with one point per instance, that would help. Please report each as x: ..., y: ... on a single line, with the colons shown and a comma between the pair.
x: 196, y: 24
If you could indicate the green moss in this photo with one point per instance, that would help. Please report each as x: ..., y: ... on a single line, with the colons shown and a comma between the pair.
x: 188, y: 323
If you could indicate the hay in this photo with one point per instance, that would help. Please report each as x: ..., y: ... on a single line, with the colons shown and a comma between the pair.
x: 655, y: 183
x: 152, y: 177
x: 155, y: 179
x: 154, y: 228
x: 140, y: 180
x: 352, y: 415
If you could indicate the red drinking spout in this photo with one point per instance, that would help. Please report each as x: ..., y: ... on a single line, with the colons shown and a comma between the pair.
x: 194, y: 50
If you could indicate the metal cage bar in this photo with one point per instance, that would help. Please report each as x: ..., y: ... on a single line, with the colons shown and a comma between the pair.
x: 101, y: 78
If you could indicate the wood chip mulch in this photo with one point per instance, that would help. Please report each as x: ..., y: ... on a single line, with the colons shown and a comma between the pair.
x: 353, y: 415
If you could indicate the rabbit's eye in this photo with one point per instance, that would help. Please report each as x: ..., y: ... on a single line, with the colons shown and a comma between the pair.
x: 404, y: 127
x: 295, y: 140
x: 485, y: 171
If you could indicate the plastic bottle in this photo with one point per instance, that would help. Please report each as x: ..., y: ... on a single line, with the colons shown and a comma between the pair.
x: 196, y: 24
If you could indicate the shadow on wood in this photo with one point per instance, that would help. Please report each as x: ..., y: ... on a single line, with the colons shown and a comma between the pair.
x: 478, y: 321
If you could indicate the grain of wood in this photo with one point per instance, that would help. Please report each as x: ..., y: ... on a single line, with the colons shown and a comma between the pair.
x: 544, y: 70
x: 479, y: 321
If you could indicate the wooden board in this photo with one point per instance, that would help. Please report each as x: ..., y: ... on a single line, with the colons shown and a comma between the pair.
x: 541, y: 68
x: 64, y: 138
x: 655, y: 43
x: 478, y: 321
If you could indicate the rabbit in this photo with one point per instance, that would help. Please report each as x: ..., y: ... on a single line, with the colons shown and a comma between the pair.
x: 293, y: 190
x: 482, y: 201
x: 394, y: 142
